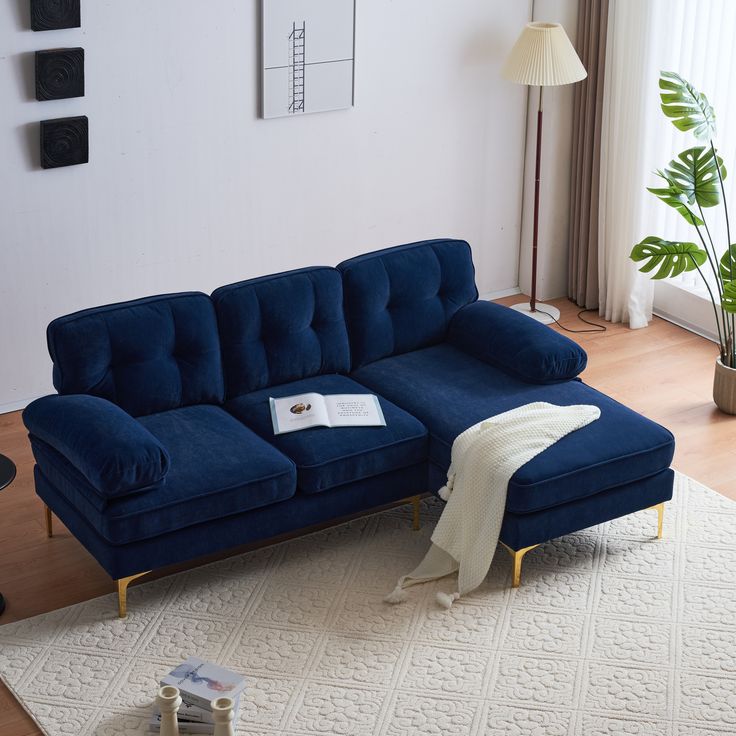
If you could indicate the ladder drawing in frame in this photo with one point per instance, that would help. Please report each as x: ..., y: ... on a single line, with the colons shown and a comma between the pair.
x: 296, y: 67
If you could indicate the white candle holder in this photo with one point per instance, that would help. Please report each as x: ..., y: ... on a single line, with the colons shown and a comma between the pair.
x: 168, y: 701
x: 224, y: 713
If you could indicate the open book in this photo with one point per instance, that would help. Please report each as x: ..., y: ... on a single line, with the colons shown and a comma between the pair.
x: 292, y: 413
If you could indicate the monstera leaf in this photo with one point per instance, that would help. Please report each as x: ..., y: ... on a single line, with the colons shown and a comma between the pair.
x: 671, y: 257
x: 695, y: 174
x: 728, y: 264
x: 675, y: 198
x: 728, y: 300
x: 687, y: 108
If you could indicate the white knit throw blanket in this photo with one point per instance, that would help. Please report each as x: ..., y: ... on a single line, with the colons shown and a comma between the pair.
x: 484, y: 457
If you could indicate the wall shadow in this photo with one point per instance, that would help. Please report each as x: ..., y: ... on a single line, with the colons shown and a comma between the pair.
x: 28, y: 136
x: 258, y: 51
x: 25, y: 65
x: 22, y: 14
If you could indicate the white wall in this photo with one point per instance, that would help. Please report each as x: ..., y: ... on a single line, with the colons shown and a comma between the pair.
x: 187, y: 189
x: 554, y: 194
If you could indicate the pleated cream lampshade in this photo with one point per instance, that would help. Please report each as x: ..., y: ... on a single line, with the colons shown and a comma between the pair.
x: 543, y: 56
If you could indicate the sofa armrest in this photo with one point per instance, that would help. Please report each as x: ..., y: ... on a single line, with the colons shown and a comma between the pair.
x: 110, y: 448
x: 515, y: 343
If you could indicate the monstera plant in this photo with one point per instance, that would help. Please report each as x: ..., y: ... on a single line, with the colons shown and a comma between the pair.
x: 691, y: 184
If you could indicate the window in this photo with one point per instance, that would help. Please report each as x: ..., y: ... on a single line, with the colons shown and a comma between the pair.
x: 695, y: 39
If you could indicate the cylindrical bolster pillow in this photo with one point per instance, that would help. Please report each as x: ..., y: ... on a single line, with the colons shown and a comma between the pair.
x: 114, y: 451
x: 515, y: 343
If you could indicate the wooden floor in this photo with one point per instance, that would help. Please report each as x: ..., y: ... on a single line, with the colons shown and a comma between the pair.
x: 664, y: 372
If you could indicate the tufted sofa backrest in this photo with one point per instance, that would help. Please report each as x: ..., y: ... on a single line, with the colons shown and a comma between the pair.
x: 403, y: 298
x: 281, y: 328
x: 146, y: 356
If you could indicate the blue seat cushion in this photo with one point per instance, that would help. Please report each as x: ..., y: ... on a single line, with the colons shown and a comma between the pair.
x: 328, y: 457
x: 450, y: 391
x: 218, y: 468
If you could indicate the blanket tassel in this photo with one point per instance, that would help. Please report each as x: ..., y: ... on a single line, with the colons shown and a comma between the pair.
x: 397, y: 595
x: 447, y: 599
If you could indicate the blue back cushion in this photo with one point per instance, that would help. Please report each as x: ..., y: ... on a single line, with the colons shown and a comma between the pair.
x: 281, y: 328
x: 146, y: 355
x: 403, y: 298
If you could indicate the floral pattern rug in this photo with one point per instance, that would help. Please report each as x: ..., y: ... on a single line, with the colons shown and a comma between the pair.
x: 612, y: 632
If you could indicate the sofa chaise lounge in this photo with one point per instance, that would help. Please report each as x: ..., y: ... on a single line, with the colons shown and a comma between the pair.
x: 159, y: 447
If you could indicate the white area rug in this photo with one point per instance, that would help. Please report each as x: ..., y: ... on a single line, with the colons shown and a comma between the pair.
x: 611, y: 633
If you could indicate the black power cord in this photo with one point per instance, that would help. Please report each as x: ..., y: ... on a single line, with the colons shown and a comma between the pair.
x: 598, y: 327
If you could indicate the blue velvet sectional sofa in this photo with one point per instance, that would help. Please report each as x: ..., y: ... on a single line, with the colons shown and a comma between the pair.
x: 159, y: 448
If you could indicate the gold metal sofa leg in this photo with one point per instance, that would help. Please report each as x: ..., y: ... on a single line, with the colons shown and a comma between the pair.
x: 415, y: 522
x: 517, y: 555
x: 49, y: 521
x: 122, y: 585
x: 660, y: 518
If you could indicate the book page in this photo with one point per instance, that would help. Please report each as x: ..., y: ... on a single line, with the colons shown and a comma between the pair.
x: 354, y: 410
x: 204, y: 681
x: 292, y: 413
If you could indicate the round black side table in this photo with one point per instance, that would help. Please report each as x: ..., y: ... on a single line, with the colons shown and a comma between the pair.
x: 7, y: 476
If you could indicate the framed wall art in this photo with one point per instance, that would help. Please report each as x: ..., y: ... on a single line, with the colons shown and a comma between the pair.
x: 308, y: 55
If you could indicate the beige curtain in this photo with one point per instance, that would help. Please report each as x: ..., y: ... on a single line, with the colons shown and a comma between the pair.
x: 586, y: 154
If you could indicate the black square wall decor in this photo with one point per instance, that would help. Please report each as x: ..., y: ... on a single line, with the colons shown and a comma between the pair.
x: 64, y: 142
x: 59, y: 74
x: 50, y: 15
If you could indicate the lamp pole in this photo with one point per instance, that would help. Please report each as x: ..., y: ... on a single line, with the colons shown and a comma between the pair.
x: 535, y: 237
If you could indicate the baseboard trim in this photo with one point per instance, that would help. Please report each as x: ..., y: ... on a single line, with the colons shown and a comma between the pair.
x: 491, y: 295
x: 17, y: 405
x: 685, y: 325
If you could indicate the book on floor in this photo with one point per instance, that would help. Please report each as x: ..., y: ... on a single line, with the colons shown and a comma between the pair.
x: 191, y: 718
x: 201, y: 682
x: 292, y: 413
x: 185, y: 727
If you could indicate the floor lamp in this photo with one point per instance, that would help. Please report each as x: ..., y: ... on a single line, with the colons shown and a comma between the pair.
x: 543, y: 57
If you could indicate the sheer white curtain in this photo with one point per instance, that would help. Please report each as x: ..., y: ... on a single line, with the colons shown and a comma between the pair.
x: 695, y: 39
x: 630, y: 82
